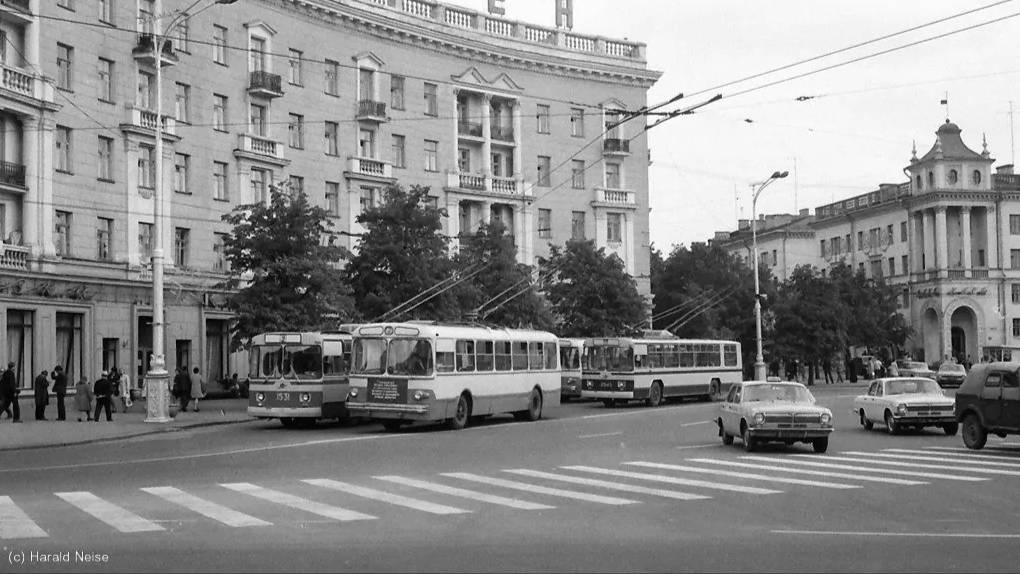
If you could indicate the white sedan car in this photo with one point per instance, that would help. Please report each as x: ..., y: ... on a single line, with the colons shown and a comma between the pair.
x: 767, y: 411
x: 906, y: 402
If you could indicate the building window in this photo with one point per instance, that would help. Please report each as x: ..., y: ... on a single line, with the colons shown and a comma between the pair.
x: 1016, y: 327
x: 219, y: 113
x: 256, y: 54
x: 106, y: 80
x: 104, y: 230
x: 975, y: 177
x: 367, y: 199
x: 333, y: 198
x: 431, y: 100
x: 1015, y: 289
x: 577, y: 225
x: 62, y: 153
x: 1014, y: 224
x: 146, y: 15
x: 613, y: 176
x: 181, y: 173
x: 906, y: 298
x: 903, y: 264
x: 614, y: 227
x: 105, y: 163
x: 182, y: 104
x: 860, y: 240
x: 577, y: 174
x: 397, y: 92
x: 65, y: 67
x: 981, y: 258
x: 332, y: 71
x: 70, y: 350
x: 146, y: 163
x: 106, y: 11
x: 219, y: 251
x: 889, y: 234
x: 544, y: 167
x: 399, y: 151
x: 219, y: 45
x: 144, y: 97
x: 220, y: 181
x: 775, y: 257
x: 1014, y: 258
x: 183, y: 33
x: 296, y: 185
x: 612, y: 124
x: 366, y: 85
x: 182, y: 238
x: 145, y: 242
x: 431, y: 155
x: 545, y: 223
x: 542, y: 117
x: 258, y: 120
x: 892, y: 266
x: 294, y: 64
x: 577, y: 122
x: 931, y: 179
x: 366, y: 143
x: 822, y: 244
x: 903, y: 231
x: 62, y: 233
x: 296, y: 131
x: 952, y: 177
x: 259, y: 179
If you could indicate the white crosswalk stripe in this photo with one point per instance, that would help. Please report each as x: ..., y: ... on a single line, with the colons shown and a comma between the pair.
x: 866, y: 478
x: 534, y: 488
x: 924, y: 456
x: 387, y: 497
x: 206, y: 508
x: 879, y: 461
x: 920, y: 473
x: 754, y: 476
x: 297, y: 502
x: 608, y: 484
x: 673, y: 480
x: 966, y: 452
x: 108, y: 512
x: 465, y: 493
x: 15, y: 524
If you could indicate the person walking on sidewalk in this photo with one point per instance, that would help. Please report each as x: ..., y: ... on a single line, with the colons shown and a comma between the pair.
x: 41, y: 385
x: 103, y: 392
x: 9, y: 392
x: 60, y: 389
x: 183, y: 385
x: 83, y: 398
x: 197, y: 387
x: 125, y: 389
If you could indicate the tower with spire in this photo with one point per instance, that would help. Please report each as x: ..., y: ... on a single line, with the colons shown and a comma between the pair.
x: 950, y: 165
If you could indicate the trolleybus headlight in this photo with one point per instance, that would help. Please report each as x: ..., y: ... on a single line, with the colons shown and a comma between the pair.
x: 759, y: 418
x: 305, y: 397
x: 353, y: 394
x: 260, y: 397
x: 422, y: 395
x: 621, y: 385
x: 826, y: 419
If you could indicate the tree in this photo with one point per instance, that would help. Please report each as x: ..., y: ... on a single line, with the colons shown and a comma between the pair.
x: 811, y: 318
x: 591, y: 293
x: 401, y: 255
x: 288, y: 250
x: 876, y: 320
x: 504, y: 289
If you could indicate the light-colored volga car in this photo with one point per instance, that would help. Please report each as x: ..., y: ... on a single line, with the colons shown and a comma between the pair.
x: 767, y: 411
x: 906, y: 402
x: 914, y: 369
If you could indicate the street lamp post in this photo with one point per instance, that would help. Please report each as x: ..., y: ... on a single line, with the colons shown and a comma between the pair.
x: 759, y: 358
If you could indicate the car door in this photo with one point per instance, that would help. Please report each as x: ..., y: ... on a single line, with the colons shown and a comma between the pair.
x: 1009, y: 409
x: 990, y: 399
x: 868, y: 400
x: 876, y: 404
x: 731, y: 418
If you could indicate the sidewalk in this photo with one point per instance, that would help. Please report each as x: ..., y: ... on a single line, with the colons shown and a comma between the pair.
x: 34, y: 434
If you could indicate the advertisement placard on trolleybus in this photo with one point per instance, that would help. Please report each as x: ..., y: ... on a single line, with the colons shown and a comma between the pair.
x: 653, y: 369
x: 406, y: 372
x: 299, y: 377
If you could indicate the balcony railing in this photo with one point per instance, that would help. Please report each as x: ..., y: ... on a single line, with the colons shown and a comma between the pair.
x: 12, y: 174
x: 615, y: 196
x: 370, y: 166
x: 504, y: 133
x: 979, y: 273
x: 260, y: 145
x: 957, y: 274
x: 469, y: 181
x: 469, y: 129
x: 14, y: 257
x: 142, y: 118
x: 504, y: 185
x: 615, y: 145
x: 371, y: 109
x: 145, y: 49
x: 265, y: 84
x: 495, y: 184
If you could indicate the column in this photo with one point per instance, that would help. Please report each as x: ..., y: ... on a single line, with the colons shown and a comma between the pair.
x: 913, y: 244
x: 928, y: 231
x: 32, y: 37
x: 965, y: 229
x: 31, y: 140
x: 486, y: 212
x: 166, y: 199
x: 1002, y: 230
x: 453, y: 220
x: 941, y: 241
x: 991, y: 239
x: 455, y: 141
x: 43, y: 182
x: 528, y: 224
x: 487, y: 142
x: 518, y: 173
x: 519, y: 232
x: 628, y: 240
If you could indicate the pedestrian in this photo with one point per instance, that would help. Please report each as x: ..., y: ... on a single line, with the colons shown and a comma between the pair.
x: 41, y: 386
x: 9, y: 393
x: 60, y: 389
x: 111, y: 378
x: 197, y: 387
x: 893, y: 370
x: 840, y: 367
x: 125, y: 389
x: 183, y: 385
x: 83, y: 398
x: 827, y: 369
x: 103, y: 393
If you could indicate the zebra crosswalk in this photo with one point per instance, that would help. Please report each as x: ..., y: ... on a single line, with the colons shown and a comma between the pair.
x: 682, y: 480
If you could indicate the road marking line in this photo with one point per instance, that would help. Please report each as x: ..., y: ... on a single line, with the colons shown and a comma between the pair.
x: 540, y: 489
x: 297, y: 502
x: 921, y: 465
x: 206, y: 508
x: 717, y: 472
x: 899, y: 481
x: 115, y: 516
x: 607, y: 484
x: 949, y: 459
x: 897, y: 534
x: 14, y: 523
x: 674, y: 480
x: 382, y: 496
x: 870, y: 469
x: 690, y: 446
x: 696, y: 423
x: 465, y: 493
x: 959, y: 451
x: 600, y: 434
x: 642, y: 412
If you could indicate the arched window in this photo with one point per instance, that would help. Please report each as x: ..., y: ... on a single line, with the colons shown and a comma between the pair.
x: 919, y: 184
x: 953, y: 177
x: 975, y: 177
x: 931, y: 179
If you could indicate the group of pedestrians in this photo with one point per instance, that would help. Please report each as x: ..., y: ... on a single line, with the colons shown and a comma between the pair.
x: 112, y: 389
x: 187, y: 388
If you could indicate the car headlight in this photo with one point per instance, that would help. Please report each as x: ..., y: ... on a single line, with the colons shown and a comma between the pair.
x: 260, y: 397
x: 901, y: 409
x: 759, y: 418
x: 826, y: 419
x: 353, y: 393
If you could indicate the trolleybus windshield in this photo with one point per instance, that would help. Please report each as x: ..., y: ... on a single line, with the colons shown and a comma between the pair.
x: 608, y: 358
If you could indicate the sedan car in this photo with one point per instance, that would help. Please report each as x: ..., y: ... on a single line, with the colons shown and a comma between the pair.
x: 950, y: 375
x: 914, y: 369
x: 901, y: 402
x: 767, y: 411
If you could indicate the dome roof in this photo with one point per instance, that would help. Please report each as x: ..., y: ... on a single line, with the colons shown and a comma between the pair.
x: 949, y: 145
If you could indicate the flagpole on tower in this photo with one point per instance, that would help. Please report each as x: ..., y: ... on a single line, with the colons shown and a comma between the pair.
x: 945, y: 102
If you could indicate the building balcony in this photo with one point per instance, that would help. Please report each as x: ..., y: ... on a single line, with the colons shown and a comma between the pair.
x: 370, y: 167
x: 372, y: 110
x: 611, y: 197
x: 144, y: 51
x: 14, y: 257
x: 24, y: 83
x: 260, y: 146
x: 487, y: 183
x: 16, y: 4
x: 12, y: 174
x: 469, y: 129
x: 262, y: 83
x: 502, y: 133
x: 143, y: 121
x: 616, y: 146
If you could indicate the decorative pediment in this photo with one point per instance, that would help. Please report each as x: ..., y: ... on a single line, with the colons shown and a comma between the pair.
x: 368, y: 60
x: 505, y: 82
x: 612, y: 104
x: 259, y: 25
x: 502, y: 82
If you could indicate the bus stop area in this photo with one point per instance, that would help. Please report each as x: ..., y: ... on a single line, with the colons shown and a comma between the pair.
x: 31, y: 433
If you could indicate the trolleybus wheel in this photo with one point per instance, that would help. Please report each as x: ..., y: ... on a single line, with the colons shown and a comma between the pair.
x: 462, y: 414
x: 655, y: 394
x: 534, y: 411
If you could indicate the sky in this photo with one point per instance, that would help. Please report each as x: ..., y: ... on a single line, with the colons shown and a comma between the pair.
x: 856, y: 130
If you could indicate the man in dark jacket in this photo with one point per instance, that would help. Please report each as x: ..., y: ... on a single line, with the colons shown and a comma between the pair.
x: 60, y: 389
x: 102, y: 391
x: 182, y: 382
x: 41, y: 386
x: 9, y: 392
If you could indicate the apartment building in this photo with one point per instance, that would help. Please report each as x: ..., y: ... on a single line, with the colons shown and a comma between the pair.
x: 501, y: 119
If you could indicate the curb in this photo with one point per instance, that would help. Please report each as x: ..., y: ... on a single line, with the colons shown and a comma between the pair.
x: 155, y: 430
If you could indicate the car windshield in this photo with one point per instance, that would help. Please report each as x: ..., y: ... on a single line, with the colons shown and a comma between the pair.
x: 777, y: 392
x: 952, y: 368
x: 910, y: 386
x: 917, y: 366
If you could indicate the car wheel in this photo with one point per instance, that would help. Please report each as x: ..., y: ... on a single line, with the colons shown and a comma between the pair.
x: 655, y: 395
x: 461, y: 415
x: 867, y: 424
x: 974, y: 435
x: 951, y: 428
x: 749, y: 443
x: 727, y: 439
x: 890, y: 424
x: 821, y: 444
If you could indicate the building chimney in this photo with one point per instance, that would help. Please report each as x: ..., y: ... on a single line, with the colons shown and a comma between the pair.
x: 721, y: 236
x: 805, y: 211
x: 1005, y: 169
x: 743, y: 224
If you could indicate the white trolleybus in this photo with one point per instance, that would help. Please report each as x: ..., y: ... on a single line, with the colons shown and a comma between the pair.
x: 657, y: 366
x: 299, y: 377
x: 570, y: 368
x: 423, y: 371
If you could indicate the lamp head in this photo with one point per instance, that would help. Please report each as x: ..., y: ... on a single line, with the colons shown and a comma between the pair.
x: 780, y: 174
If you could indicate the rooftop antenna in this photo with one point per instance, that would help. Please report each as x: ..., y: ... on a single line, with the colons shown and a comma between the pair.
x: 945, y: 102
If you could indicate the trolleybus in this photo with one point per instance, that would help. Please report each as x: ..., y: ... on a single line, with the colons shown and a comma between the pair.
x: 570, y: 368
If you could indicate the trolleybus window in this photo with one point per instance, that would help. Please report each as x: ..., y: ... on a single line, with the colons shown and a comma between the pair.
x: 484, y: 351
x: 520, y: 356
x: 272, y: 358
x: 302, y: 361
x: 608, y: 358
x: 411, y: 357
x: 503, y: 355
x: 730, y: 355
x: 535, y: 356
x: 465, y: 355
x: 550, y: 355
x: 444, y: 361
x: 369, y: 356
x: 570, y: 359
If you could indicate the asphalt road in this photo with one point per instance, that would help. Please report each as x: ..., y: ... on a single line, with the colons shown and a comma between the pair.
x: 257, y: 497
